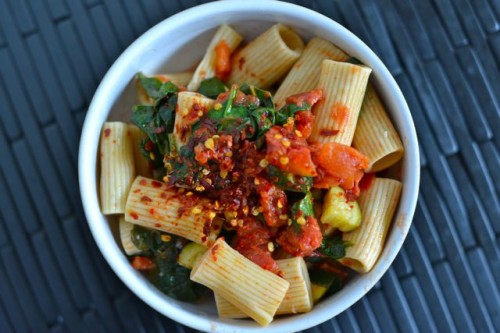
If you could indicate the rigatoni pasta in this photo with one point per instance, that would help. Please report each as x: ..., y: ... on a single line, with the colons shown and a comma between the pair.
x: 153, y: 205
x: 298, y: 296
x: 344, y: 85
x: 304, y: 75
x: 125, y: 229
x: 268, y: 58
x: 375, y: 135
x: 378, y: 205
x: 254, y: 290
x: 117, y: 167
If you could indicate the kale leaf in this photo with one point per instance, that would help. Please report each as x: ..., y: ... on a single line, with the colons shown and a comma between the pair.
x: 212, y: 87
x: 288, y: 181
x: 157, y: 120
x: 289, y: 110
x: 168, y: 275
x: 333, y: 247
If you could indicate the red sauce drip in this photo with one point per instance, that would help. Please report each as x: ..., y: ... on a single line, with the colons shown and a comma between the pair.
x: 340, y: 113
x: 107, y: 131
x: 366, y: 182
x: 145, y: 198
x: 328, y: 132
x: 143, y: 182
x: 181, y: 211
x: 241, y: 63
x: 134, y: 215
x: 156, y: 183
x: 163, y: 195
x: 213, y: 251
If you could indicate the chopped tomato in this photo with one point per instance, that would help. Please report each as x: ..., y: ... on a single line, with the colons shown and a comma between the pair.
x: 274, y: 203
x: 341, y: 165
x: 303, y: 123
x: 289, y: 152
x: 301, y: 243
x: 222, y: 60
x: 309, y: 97
x: 142, y: 263
x: 252, y: 241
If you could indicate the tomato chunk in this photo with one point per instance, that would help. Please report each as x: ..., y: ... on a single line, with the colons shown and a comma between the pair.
x: 303, y: 123
x: 339, y: 164
x: 222, y: 60
x: 303, y: 242
x: 309, y: 97
x: 289, y: 152
x: 252, y: 241
x: 274, y: 203
x: 142, y: 263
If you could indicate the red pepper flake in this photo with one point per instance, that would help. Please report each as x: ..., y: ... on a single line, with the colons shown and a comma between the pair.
x: 328, y: 132
x: 145, y: 198
x: 203, y: 239
x: 134, y: 215
x: 156, y: 183
x: 107, y: 131
x: 213, y: 251
x: 137, y: 190
x: 157, y: 225
x: 152, y: 211
x: 163, y: 195
x: 148, y: 146
x: 143, y: 182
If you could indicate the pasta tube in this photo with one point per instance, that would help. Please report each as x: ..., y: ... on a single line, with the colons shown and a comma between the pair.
x: 268, y: 58
x: 375, y: 136
x: 298, y: 298
x: 141, y: 163
x: 254, y: 290
x: 152, y: 204
x: 344, y: 86
x: 190, y: 107
x: 305, y: 73
x: 117, y: 167
x: 126, y: 237
x: 378, y: 205
x: 206, y: 68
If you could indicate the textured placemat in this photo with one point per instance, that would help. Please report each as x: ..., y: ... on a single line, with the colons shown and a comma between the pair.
x: 445, y: 54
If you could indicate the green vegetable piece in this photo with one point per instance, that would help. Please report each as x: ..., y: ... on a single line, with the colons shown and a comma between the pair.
x: 265, y: 97
x: 301, y: 210
x: 289, y: 110
x: 190, y: 254
x: 155, y: 88
x: 174, y: 280
x: 340, y: 213
x: 212, y: 87
x: 322, y: 283
x: 333, y: 247
x: 264, y: 118
x: 354, y: 60
x: 288, y: 181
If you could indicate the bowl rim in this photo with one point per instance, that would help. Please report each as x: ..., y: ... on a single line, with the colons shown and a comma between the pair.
x: 87, y: 162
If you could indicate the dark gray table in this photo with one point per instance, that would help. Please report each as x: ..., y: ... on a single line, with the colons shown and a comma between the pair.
x: 445, y: 54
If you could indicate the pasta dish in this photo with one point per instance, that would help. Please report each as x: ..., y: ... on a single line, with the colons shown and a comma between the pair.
x: 261, y: 176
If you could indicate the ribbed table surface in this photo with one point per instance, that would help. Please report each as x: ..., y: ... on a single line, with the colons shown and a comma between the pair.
x: 444, y: 54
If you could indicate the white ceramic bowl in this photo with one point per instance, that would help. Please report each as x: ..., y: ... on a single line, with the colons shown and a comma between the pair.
x: 175, y: 45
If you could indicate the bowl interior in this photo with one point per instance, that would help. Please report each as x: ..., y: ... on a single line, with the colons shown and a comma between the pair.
x: 177, y: 44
